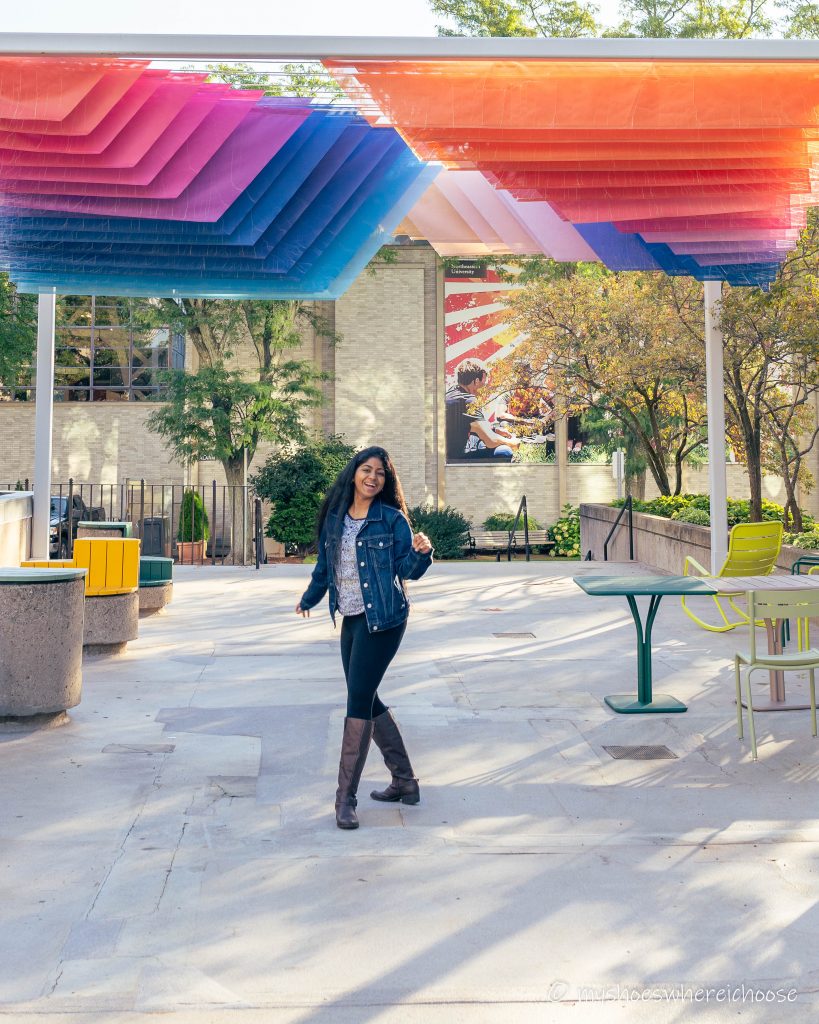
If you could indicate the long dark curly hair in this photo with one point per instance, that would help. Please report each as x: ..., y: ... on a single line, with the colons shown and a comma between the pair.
x: 341, y: 494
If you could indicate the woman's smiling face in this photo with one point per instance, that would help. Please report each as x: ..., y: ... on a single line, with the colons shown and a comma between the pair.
x: 369, y: 479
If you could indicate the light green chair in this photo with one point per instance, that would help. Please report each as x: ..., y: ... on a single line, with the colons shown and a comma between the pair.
x: 753, y: 549
x: 776, y: 605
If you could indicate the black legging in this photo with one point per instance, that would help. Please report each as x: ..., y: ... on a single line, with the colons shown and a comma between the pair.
x: 365, y: 657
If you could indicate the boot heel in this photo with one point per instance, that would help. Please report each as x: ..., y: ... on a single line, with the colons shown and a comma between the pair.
x: 411, y: 799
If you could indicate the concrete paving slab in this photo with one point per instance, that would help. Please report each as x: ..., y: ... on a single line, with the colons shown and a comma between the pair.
x: 172, y: 854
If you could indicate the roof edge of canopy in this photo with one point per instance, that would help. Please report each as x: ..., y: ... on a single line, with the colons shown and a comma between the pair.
x: 261, y: 47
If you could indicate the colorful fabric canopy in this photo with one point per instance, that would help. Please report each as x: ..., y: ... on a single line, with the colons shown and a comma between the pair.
x: 688, y: 150
x: 138, y: 181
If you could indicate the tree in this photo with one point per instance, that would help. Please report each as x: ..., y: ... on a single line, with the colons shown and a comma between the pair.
x: 516, y: 17
x: 305, y: 80
x: 295, y: 481
x: 223, y: 413
x: 653, y: 19
x: 18, y: 333
x: 613, y: 342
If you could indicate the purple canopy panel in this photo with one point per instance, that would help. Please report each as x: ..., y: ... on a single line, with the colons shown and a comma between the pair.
x: 172, y: 163
x: 104, y: 94
x: 226, y: 176
x: 121, y: 140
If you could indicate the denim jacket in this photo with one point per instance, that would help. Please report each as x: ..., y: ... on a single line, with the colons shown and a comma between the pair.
x: 386, y: 559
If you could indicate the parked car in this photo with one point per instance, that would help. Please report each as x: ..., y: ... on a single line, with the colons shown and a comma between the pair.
x: 64, y: 525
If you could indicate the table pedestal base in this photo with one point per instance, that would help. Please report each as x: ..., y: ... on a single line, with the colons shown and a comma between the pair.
x: 778, y: 705
x: 660, y: 704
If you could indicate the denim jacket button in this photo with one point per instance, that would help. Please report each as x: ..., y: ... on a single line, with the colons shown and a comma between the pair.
x: 375, y: 628
x: 369, y: 606
x: 366, y: 584
x: 360, y: 544
x: 361, y: 563
x: 381, y: 543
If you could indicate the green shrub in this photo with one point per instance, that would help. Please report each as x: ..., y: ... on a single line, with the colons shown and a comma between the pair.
x: 193, y: 519
x: 808, y: 540
x: 506, y: 520
x: 293, y: 523
x: 692, y: 515
x: 566, y: 534
x: 295, y: 480
x: 666, y: 505
x: 446, y: 528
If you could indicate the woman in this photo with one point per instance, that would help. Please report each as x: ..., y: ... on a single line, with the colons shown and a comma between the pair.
x: 366, y: 549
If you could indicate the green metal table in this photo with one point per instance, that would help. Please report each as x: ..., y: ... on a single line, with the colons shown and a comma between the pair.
x: 655, y: 588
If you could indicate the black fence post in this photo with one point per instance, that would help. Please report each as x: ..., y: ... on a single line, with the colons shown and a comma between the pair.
x: 69, y: 516
x: 257, y: 510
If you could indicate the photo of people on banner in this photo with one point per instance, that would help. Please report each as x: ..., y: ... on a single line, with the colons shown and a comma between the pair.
x: 477, y: 335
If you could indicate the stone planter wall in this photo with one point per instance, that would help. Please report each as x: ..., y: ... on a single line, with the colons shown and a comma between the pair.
x: 16, y: 511
x: 660, y: 543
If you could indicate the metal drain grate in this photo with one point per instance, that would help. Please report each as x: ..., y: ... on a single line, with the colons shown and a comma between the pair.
x: 647, y: 753
x: 514, y: 636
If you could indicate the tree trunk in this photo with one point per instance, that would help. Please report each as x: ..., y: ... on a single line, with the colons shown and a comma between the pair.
x: 636, y: 486
x: 242, y: 527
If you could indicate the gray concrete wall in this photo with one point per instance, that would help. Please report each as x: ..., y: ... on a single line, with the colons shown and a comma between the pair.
x: 660, y: 543
x: 16, y: 510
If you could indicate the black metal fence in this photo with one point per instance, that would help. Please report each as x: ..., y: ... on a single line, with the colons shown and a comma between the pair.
x: 223, y: 525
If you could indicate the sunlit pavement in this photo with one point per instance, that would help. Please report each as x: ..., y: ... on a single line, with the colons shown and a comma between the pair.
x: 172, y: 852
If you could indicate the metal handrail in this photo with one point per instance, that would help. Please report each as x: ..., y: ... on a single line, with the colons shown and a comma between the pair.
x: 513, y: 531
x: 627, y: 506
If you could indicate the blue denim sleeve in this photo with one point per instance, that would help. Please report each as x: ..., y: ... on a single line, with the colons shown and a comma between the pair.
x: 318, y: 581
x: 409, y: 563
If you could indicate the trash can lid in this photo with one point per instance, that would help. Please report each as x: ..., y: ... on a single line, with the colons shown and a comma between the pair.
x: 25, y: 576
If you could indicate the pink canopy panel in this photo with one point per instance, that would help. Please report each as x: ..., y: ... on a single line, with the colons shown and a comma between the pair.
x: 461, y: 215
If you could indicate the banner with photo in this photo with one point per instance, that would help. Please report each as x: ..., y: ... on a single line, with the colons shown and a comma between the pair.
x: 517, y: 427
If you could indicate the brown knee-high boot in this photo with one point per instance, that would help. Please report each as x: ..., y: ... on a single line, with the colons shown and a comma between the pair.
x: 354, y: 747
x: 404, y: 785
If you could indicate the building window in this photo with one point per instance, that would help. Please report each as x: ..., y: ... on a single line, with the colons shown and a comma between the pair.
x: 107, y: 350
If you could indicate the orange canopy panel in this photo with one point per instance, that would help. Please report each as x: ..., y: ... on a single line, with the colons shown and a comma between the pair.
x: 583, y: 94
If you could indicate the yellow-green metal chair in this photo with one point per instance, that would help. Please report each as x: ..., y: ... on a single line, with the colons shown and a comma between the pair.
x: 753, y: 549
x: 776, y: 605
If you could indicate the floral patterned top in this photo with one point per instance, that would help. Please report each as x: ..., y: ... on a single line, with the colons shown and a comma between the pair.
x: 350, y: 599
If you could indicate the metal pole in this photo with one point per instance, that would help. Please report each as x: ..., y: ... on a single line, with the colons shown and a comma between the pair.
x: 43, y: 424
x: 715, y: 399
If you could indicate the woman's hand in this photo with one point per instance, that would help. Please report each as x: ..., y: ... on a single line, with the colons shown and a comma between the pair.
x: 421, y: 543
x: 304, y: 612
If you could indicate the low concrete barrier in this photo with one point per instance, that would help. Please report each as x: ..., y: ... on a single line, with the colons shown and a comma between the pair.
x: 16, y: 511
x: 658, y: 542
x: 41, y: 637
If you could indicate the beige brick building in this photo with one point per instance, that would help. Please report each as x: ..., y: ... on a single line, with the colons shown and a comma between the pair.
x: 387, y: 387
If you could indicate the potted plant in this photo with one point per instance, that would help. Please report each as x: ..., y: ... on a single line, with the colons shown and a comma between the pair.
x: 193, y: 530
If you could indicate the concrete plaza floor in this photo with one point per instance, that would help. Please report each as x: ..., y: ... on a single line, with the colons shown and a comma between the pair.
x: 171, y: 854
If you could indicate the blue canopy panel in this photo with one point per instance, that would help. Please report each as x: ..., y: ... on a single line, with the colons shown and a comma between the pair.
x: 327, y: 276
x: 305, y: 227
x: 621, y: 251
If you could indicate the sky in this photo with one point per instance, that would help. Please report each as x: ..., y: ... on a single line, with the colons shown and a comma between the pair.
x: 263, y: 17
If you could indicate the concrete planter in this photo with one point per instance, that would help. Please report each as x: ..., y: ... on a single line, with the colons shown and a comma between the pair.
x: 660, y: 543
x: 41, y: 631
x: 154, y: 596
x: 111, y: 620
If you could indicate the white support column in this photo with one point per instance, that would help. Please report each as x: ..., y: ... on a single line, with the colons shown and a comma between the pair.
x: 43, y: 419
x: 715, y: 398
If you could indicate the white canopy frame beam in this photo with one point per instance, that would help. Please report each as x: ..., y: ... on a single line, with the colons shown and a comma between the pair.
x: 43, y: 424
x: 261, y: 47
x: 715, y: 402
